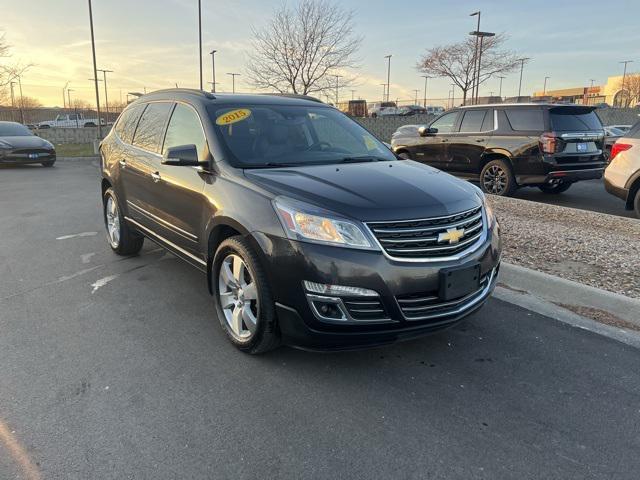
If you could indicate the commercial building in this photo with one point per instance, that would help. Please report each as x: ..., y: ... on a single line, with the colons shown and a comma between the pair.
x: 609, y: 93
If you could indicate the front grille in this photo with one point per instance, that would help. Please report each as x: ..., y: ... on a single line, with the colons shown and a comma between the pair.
x: 30, y: 150
x: 365, y: 309
x: 419, y: 238
x: 428, y: 305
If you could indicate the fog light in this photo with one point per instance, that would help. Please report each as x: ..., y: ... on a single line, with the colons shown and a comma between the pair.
x: 338, y: 290
x: 328, y: 310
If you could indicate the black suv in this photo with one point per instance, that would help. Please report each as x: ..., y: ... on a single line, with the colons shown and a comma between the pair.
x: 508, y: 146
x: 310, y: 231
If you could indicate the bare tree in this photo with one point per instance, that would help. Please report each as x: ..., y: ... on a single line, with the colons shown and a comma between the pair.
x: 631, y: 90
x: 29, y: 102
x: 456, y: 61
x: 8, y: 72
x: 301, y: 50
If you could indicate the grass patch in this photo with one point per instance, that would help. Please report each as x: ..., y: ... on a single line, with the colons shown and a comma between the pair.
x: 75, y: 150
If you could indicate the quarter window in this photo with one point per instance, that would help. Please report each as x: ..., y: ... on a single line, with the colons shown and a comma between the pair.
x: 530, y: 119
x: 127, y: 121
x: 185, y: 129
x: 472, y: 121
x: 151, y: 126
x: 445, y: 123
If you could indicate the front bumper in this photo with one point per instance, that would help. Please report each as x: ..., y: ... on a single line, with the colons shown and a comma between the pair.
x: 25, y: 158
x: 289, y: 263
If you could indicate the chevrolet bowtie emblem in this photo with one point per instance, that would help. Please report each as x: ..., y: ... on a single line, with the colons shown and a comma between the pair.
x: 452, y: 235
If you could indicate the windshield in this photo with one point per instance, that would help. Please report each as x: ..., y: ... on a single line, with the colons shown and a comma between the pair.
x: 14, y: 130
x: 274, y: 135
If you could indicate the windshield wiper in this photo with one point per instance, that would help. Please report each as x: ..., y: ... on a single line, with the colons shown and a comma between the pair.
x: 362, y: 158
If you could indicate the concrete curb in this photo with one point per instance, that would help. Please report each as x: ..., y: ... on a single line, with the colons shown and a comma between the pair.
x: 556, y: 289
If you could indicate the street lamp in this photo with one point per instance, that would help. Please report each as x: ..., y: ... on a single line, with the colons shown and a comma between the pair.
x: 64, y: 99
x: 21, y: 99
x: 384, y: 90
x: 475, y: 57
x: 106, y: 95
x: 453, y: 95
x: 426, y: 79
x: 353, y: 93
x: 500, y: 92
x: 200, y: 40
x: 544, y: 89
x: 624, y: 76
x: 388, y: 57
x: 233, y: 76
x: 213, y: 70
x: 522, y: 60
x: 482, y: 35
x: 95, y: 70
x: 415, y: 101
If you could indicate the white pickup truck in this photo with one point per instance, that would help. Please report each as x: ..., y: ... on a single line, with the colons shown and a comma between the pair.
x: 71, y: 120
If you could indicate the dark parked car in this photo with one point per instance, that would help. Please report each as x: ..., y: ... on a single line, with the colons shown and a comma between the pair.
x: 309, y: 230
x: 508, y: 146
x: 409, y: 110
x: 18, y: 145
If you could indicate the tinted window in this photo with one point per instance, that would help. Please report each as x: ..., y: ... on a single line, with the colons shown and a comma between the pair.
x: 272, y: 135
x: 10, y: 129
x: 185, y: 129
x: 150, y: 128
x: 445, y: 123
x: 472, y: 121
x: 566, y: 119
x: 526, y: 118
x: 127, y: 122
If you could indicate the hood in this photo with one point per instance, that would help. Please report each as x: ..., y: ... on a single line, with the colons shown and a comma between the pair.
x: 25, y: 141
x: 376, y: 191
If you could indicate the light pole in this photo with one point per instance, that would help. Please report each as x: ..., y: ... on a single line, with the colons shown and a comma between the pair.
x: 213, y: 70
x: 353, y: 93
x: 384, y: 90
x: 453, y: 95
x: 106, y: 96
x: 95, y: 70
x: 337, y: 97
x: 475, y: 57
x: 21, y: 100
x: 544, y: 89
x: 200, y: 40
x: 74, y: 108
x: 500, y: 92
x: 426, y: 79
x: 624, y: 76
x: 480, y: 34
x: 13, y: 97
x: 415, y: 101
x: 388, y: 57
x: 522, y: 60
x: 64, y: 100
x: 233, y: 76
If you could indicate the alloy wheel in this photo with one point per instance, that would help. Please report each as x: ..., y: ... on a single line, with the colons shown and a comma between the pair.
x: 238, y: 297
x: 494, y: 180
x: 113, y: 222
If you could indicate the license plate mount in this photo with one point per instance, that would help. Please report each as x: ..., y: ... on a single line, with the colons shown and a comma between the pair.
x: 458, y: 282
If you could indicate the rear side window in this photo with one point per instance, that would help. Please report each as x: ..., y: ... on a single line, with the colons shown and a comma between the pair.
x: 472, y: 121
x: 151, y: 126
x: 127, y: 123
x: 185, y: 129
x: 634, y: 132
x: 525, y: 119
x: 567, y: 119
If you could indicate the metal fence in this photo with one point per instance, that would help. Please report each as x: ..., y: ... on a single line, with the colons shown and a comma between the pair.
x: 33, y: 116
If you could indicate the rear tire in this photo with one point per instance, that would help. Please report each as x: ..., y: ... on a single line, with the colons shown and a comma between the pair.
x: 555, y: 189
x: 636, y: 204
x: 242, y: 297
x: 122, y: 239
x: 497, y: 178
x: 48, y: 163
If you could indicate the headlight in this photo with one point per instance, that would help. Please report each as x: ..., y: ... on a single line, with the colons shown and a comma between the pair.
x: 308, y: 223
x: 488, y: 209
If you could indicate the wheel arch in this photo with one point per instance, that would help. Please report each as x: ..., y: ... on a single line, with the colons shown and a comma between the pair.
x: 494, y: 155
x: 634, y: 187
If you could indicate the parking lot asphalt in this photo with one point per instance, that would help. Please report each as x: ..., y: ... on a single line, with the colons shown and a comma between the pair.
x: 586, y: 195
x: 117, y: 368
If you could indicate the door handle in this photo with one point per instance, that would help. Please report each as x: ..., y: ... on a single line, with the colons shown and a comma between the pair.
x: 479, y: 140
x: 156, y: 177
x: 444, y: 140
x: 123, y: 163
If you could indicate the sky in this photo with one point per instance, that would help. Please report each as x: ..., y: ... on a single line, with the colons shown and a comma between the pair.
x: 154, y: 43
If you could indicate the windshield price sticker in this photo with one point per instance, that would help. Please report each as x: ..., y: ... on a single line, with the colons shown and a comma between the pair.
x: 233, y: 116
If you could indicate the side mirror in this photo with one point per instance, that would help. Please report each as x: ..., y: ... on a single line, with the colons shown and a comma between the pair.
x: 181, y: 156
x: 426, y: 131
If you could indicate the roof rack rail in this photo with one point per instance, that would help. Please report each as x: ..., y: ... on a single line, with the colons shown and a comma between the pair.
x: 294, y: 95
x: 194, y: 91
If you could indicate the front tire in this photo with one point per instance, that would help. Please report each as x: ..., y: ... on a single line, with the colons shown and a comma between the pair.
x: 122, y: 239
x: 555, y: 189
x: 242, y: 297
x: 497, y: 178
x: 636, y: 204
